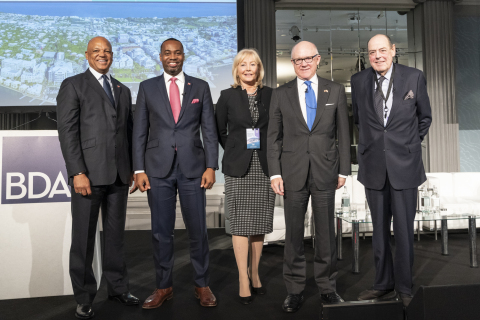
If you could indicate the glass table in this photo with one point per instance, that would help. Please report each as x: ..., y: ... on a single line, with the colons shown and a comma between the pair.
x: 419, y: 218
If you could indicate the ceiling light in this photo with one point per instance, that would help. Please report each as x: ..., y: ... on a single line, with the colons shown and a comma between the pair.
x: 295, y: 32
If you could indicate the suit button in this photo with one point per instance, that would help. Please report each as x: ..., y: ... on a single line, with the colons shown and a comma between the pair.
x: 385, y: 131
x: 308, y: 152
x: 173, y: 146
x: 309, y: 134
x: 383, y: 150
x: 114, y: 117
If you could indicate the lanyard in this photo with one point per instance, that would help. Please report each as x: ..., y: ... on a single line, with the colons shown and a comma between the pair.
x: 389, y: 85
x: 255, y: 107
x: 252, y: 111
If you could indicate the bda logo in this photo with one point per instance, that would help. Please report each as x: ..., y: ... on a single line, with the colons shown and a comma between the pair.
x: 33, y: 170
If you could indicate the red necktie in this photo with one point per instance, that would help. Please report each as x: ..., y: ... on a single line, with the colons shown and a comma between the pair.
x: 175, y: 99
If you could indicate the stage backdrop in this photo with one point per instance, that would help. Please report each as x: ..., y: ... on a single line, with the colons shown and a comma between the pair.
x: 35, y: 218
x: 43, y: 42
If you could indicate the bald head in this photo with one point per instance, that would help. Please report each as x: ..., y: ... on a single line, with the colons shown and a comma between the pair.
x: 96, y: 39
x: 381, y: 37
x: 99, y: 54
x: 305, y: 59
x: 304, y: 46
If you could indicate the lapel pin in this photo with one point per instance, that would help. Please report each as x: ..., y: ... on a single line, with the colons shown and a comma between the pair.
x: 325, y: 90
x: 118, y: 86
x: 189, y: 83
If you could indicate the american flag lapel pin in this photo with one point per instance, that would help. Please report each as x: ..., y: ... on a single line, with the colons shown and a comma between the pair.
x: 189, y: 83
x: 118, y: 86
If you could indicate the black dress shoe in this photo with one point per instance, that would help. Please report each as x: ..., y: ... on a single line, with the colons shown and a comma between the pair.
x: 331, y: 298
x: 293, y: 302
x: 372, y: 294
x: 406, y: 298
x: 84, y: 311
x: 246, y: 300
x: 127, y: 299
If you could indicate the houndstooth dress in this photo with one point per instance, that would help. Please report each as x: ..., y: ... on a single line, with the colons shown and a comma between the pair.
x: 250, y: 198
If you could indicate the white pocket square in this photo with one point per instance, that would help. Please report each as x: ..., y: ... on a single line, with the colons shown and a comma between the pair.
x: 330, y: 104
x: 409, y: 95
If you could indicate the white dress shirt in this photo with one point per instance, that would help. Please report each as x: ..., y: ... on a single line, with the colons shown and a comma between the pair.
x: 180, y: 83
x: 302, y: 87
x: 99, y: 77
x: 385, y: 85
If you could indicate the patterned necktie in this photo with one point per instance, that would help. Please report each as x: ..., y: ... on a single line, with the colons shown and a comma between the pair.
x: 379, y: 102
x: 108, y: 89
x: 175, y: 99
x: 311, y: 103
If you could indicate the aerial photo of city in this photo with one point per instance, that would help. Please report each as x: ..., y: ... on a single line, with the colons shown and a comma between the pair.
x: 38, y: 51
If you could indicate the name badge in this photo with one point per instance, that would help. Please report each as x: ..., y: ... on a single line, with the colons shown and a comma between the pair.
x: 253, y: 138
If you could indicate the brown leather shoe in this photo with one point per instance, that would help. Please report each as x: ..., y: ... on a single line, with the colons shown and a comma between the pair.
x: 207, y: 299
x: 158, y: 296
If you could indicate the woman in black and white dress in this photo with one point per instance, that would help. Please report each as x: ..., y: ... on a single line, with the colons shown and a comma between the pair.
x: 243, y: 110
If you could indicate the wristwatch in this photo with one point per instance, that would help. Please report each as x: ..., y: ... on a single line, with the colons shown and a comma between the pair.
x: 80, y: 173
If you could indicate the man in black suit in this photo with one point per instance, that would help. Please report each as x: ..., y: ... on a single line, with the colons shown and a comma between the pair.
x: 392, y: 112
x: 95, y: 130
x: 168, y: 156
x: 307, y: 115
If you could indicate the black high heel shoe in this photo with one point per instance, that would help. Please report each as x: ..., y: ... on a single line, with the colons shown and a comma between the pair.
x: 249, y: 299
x: 261, y: 290
x: 246, y: 300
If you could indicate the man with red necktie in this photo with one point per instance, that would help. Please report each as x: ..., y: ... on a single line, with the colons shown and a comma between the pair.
x: 168, y: 155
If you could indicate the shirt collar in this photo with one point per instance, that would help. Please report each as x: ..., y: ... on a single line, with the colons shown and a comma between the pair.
x: 98, y: 75
x: 313, y: 79
x: 387, y: 76
x: 180, y: 77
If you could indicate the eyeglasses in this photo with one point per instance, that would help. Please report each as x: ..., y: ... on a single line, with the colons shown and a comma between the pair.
x: 307, y: 60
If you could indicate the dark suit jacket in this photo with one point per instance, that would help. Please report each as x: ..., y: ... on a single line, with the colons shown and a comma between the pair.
x: 233, y: 111
x: 155, y: 134
x: 293, y: 148
x: 395, y: 149
x: 95, y: 136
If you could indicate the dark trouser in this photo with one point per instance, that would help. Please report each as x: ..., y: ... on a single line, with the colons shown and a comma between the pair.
x: 402, y: 205
x: 85, y: 209
x: 162, y: 198
x: 294, y: 264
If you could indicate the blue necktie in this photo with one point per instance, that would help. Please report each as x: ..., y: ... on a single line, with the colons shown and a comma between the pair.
x: 311, y: 102
x: 108, y: 89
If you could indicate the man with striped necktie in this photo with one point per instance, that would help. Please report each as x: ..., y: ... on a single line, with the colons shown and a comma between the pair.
x: 392, y: 111
x: 94, y: 113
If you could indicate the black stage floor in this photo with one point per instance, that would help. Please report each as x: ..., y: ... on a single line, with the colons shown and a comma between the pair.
x: 431, y: 268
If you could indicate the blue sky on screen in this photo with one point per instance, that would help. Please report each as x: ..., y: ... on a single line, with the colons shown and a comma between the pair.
x: 120, y: 9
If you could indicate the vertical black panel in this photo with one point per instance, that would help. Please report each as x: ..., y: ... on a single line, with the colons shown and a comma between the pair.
x: 240, y: 24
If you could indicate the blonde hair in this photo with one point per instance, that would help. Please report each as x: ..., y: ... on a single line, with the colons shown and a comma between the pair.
x: 239, y: 58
